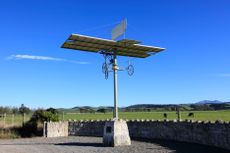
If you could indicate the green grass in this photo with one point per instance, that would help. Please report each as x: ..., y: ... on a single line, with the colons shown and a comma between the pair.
x: 13, y: 121
x: 8, y: 134
x: 199, y: 115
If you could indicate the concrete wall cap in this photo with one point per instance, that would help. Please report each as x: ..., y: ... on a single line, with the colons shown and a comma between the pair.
x: 219, y: 121
x: 226, y: 122
x: 175, y: 121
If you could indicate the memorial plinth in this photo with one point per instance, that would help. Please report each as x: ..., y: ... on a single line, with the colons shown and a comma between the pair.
x: 116, y: 133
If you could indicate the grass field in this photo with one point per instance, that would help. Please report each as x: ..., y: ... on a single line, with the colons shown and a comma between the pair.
x: 15, y: 120
x: 199, y: 115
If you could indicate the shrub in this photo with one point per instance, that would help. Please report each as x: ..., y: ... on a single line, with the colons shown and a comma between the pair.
x: 102, y: 110
x: 165, y: 115
x: 191, y: 114
x: 9, y: 133
x: 34, y: 126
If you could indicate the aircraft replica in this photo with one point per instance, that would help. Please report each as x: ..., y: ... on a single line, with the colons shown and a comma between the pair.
x: 110, y: 50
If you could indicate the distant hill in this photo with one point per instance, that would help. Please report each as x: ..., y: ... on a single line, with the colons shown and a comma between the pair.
x: 202, y: 105
x: 210, y: 102
x: 151, y: 105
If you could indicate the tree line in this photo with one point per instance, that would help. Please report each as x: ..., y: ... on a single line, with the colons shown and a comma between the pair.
x: 15, y: 110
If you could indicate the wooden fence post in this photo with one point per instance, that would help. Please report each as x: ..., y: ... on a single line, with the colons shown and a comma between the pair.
x: 23, y: 119
x: 4, y: 120
x: 12, y: 120
x: 178, y: 114
x: 63, y: 116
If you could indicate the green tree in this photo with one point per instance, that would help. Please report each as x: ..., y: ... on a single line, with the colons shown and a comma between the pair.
x: 41, y: 115
x: 24, y: 110
x: 15, y: 110
x: 102, y: 110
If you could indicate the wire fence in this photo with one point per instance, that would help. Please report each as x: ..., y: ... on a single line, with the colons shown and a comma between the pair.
x: 213, y: 116
x: 8, y: 120
x: 12, y: 120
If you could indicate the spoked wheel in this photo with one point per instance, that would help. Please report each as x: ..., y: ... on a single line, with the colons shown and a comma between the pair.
x: 106, y: 74
x: 104, y: 67
x: 130, y: 70
x: 105, y: 70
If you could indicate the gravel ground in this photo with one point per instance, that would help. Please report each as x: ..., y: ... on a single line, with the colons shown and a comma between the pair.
x: 94, y: 145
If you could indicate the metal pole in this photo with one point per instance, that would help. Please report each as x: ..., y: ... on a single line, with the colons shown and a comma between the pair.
x: 115, y: 68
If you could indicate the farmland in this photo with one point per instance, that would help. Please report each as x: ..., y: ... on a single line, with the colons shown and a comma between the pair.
x: 171, y: 115
x: 13, y: 120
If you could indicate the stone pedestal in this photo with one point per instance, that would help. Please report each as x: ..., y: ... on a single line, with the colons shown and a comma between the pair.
x: 116, y: 133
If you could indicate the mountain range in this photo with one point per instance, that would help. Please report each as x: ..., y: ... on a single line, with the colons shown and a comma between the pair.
x: 202, y: 105
x: 210, y: 102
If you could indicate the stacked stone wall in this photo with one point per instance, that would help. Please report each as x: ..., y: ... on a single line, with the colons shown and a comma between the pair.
x: 55, y: 129
x: 86, y: 128
x: 207, y: 133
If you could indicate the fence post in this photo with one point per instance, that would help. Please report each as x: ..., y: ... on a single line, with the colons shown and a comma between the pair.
x: 63, y: 116
x: 178, y: 114
x: 24, y: 119
x: 12, y: 120
x: 4, y: 120
x: 45, y: 129
x: 1, y: 121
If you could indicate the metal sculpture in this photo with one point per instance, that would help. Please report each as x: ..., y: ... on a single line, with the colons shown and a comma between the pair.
x: 110, y: 50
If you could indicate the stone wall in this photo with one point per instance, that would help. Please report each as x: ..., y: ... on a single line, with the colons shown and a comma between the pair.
x: 207, y: 133
x: 55, y: 129
x: 86, y: 128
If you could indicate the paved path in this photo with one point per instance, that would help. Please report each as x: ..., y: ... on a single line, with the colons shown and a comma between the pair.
x: 94, y: 145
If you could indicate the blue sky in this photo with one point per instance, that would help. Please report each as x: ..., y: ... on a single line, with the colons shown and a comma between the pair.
x: 37, y: 72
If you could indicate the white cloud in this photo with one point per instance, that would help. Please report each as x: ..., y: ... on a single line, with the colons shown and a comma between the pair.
x: 224, y: 75
x: 32, y: 57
